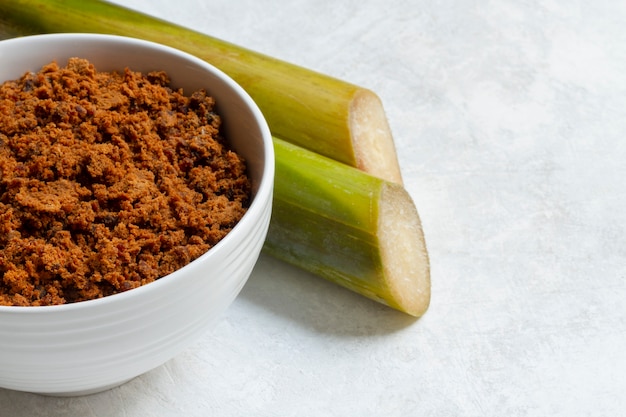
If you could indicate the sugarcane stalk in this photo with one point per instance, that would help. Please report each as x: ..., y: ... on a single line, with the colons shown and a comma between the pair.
x: 352, y: 228
x: 334, y: 118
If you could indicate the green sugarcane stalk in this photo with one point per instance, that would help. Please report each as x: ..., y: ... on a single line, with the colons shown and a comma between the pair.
x: 354, y: 229
x: 334, y: 118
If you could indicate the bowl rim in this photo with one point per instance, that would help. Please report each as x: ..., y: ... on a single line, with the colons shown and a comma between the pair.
x: 262, y: 195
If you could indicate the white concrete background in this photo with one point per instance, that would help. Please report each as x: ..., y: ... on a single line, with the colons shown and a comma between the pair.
x: 510, y: 120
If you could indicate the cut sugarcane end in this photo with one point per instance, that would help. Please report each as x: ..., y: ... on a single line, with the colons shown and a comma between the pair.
x: 372, y: 141
x: 403, y: 251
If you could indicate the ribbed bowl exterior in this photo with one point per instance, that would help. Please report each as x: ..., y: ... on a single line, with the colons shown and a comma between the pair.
x: 94, y: 345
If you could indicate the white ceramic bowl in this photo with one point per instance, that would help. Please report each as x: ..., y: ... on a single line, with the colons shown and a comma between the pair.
x: 94, y: 345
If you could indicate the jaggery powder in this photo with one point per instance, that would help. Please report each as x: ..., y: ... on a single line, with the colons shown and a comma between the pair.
x: 108, y: 181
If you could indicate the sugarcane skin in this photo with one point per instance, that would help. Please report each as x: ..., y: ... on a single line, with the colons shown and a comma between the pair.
x: 327, y: 249
x: 327, y: 187
x: 302, y: 106
x: 325, y: 220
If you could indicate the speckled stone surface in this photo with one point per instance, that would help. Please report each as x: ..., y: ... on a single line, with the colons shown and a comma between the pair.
x: 510, y: 121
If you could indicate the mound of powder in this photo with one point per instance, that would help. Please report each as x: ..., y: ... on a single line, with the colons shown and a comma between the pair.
x: 108, y: 181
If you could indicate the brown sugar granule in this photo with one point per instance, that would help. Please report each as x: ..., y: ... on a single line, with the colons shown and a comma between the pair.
x: 108, y: 181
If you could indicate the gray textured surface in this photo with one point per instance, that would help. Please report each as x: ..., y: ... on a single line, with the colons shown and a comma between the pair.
x: 510, y: 120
